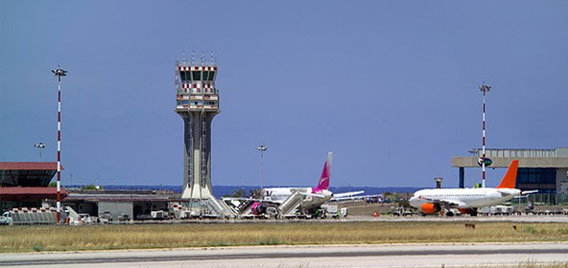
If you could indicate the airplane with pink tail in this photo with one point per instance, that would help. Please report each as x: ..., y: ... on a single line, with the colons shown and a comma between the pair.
x: 284, y: 200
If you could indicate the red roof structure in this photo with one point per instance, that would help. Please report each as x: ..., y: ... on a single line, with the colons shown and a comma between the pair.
x: 29, y: 166
x: 30, y: 193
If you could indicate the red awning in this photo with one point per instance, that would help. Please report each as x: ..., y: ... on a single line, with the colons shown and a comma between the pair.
x: 29, y: 166
x: 30, y: 193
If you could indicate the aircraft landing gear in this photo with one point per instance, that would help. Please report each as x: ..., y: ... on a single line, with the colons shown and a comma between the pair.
x: 449, y: 214
x: 473, y: 212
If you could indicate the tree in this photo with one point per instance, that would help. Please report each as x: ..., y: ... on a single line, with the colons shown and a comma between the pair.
x: 239, y: 193
x: 90, y: 187
x: 255, y: 193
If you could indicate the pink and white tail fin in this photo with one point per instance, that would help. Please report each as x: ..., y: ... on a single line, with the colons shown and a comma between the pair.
x: 325, y: 174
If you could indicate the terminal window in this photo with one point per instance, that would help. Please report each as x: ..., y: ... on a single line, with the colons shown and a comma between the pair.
x: 536, y: 175
x: 196, y: 75
x: 184, y: 76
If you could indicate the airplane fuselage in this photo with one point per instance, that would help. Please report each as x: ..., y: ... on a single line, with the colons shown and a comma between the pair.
x: 464, y: 198
x: 280, y: 193
x: 313, y: 198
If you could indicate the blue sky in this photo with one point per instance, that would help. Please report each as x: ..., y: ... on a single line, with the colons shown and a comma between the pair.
x: 390, y: 86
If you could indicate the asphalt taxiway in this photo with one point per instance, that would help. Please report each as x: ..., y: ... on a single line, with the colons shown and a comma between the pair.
x: 385, y: 218
x: 383, y: 255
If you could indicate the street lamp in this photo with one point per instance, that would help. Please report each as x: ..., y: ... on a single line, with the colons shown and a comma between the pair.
x: 40, y: 145
x: 59, y: 73
x: 261, y: 149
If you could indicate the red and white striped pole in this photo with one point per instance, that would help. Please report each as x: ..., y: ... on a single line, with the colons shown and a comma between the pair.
x: 484, y: 89
x: 59, y: 73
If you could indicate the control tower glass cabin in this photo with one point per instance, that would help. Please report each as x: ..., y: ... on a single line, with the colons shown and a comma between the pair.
x: 197, y: 102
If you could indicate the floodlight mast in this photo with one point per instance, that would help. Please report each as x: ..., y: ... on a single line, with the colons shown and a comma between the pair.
x: 484, y: 89
x: 59, y: 73
x: 40, y: 145
x: 261, y: 149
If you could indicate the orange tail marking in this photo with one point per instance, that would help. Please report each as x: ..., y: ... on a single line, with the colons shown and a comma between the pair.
x: 511, y: 176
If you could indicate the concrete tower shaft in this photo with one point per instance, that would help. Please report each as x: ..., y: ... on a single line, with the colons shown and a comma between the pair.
x: 197, y: 154
x: 197, y: 102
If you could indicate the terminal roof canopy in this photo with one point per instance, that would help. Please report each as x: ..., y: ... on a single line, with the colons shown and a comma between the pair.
x: 27, y: 173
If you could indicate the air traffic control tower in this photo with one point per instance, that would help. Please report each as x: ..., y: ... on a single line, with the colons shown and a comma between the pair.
x: 197, y: 102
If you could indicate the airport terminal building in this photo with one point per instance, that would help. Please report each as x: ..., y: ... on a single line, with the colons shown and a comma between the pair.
x: 25, y: 184
x: 545, y: 170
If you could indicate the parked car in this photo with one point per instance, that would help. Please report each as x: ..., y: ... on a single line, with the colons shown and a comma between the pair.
x: 6, y: 219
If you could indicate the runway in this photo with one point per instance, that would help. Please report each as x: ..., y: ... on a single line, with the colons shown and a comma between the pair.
x: 386, y: 255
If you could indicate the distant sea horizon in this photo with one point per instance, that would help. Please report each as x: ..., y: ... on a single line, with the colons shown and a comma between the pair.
x: 223, y: 190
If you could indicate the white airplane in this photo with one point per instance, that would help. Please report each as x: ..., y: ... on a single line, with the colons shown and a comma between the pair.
x: 468, y: 200
x: 312, y: 197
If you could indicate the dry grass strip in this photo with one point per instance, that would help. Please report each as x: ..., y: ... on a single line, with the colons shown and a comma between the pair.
x: 40, y: 238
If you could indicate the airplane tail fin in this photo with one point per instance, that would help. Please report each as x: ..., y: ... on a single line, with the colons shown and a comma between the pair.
x: 326, y: 173
x: 510, y: 177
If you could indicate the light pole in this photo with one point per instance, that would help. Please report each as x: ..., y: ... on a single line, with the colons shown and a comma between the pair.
x: 261, y: 149
x: 484, y: 89
x: 59, y: 73
x: 40, y: 145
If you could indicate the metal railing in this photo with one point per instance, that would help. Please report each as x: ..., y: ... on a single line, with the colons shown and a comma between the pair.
x: 517, y: 153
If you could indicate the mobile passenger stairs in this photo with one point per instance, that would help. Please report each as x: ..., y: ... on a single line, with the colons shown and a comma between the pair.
x: 28, y: 216
x: 290, y: 207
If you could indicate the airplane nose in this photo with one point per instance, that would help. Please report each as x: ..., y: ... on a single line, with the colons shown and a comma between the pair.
x: 412, y: 200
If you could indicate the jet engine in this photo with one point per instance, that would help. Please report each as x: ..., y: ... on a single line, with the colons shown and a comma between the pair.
x: 430, y: 208
x: 257, y: 209
x: 470, y: 211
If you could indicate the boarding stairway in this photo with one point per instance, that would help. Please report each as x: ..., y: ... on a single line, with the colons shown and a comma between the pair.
x: 221, y: 208
x: 245, y: 208
x: 72, y: 214
x: 290, y: 205
x: 210, y: 208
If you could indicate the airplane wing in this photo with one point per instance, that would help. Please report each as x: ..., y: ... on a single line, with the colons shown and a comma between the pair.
x: 446, y: 202
x: 453, y: 203
x: 345, y: 196
x: 529, y: 192
x: 251, y: 200
x: 357, y: 197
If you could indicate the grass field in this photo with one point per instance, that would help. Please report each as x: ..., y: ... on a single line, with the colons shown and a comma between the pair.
x: 40, y: 238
